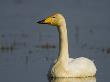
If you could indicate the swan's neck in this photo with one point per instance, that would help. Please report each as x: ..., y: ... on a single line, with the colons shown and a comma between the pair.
x: 63, y: 43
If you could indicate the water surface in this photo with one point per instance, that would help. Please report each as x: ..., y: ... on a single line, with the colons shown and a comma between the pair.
x: 28, y: 49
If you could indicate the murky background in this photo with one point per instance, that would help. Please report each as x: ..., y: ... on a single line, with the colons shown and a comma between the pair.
x: 27, y: 49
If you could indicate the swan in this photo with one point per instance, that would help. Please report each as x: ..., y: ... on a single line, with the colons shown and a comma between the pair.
x: 63, y: 65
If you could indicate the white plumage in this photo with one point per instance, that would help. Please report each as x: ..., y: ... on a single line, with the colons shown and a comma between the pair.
x: 65, y: 66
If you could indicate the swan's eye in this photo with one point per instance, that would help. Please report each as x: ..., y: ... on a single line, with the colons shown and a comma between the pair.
x: 53, y: 17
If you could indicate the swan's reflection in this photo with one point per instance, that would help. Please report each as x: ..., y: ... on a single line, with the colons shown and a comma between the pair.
x: 89, y: 79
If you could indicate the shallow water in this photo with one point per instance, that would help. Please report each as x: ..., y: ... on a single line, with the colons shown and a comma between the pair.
x: 28, y: 49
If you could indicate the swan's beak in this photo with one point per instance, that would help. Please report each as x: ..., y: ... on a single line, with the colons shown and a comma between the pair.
x: 45, y: 21
x: 42, y: 21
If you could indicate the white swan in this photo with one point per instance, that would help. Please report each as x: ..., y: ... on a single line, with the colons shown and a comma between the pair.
x: 65, y: 66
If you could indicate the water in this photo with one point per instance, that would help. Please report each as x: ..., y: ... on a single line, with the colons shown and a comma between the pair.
x: 28, y: 49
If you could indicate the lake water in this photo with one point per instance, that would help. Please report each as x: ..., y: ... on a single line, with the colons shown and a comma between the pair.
x: 28, y: 49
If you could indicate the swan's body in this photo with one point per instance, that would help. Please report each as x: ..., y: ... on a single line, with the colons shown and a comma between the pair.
x: 65, y: 66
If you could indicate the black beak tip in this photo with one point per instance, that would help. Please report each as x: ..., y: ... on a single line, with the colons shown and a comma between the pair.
x: 39, y: 22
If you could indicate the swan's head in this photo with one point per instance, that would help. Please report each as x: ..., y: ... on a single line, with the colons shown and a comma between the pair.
x: 55, y: 20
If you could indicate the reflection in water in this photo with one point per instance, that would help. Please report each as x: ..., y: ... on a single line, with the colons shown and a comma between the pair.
x: 6, y: 48
x: 46, y: 46
x: 26, y: 60
x: 106, y: 50
x: 89, y: 79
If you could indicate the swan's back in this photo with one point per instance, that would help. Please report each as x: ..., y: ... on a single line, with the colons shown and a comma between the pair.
x: 81, y: 67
